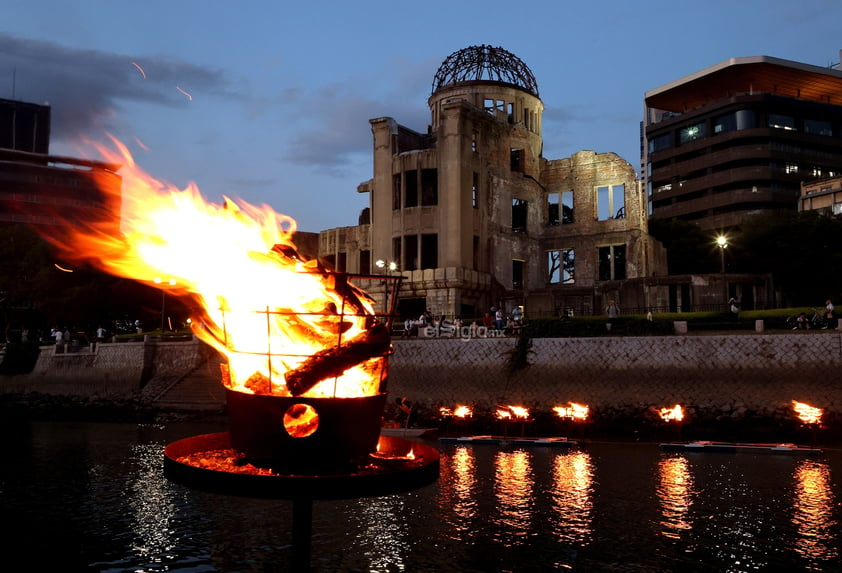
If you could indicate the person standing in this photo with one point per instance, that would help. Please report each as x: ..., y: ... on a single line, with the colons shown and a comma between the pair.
x: 613, y: 311
x: 829, y: 314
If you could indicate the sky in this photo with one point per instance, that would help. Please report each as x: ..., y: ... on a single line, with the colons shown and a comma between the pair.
x: 269, y: 102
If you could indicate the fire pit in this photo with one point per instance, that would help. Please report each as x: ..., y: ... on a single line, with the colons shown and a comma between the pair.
x: 307, y: 355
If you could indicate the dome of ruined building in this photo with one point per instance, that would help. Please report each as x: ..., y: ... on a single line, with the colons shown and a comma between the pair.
x: 485, y: 63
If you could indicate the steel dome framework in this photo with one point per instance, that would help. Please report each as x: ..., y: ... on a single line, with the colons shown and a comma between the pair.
x: 485, y: 63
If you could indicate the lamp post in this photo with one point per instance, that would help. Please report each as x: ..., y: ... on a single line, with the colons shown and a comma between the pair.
x: 722, y: 243
x: 160, y: 281
x: 388, y: 267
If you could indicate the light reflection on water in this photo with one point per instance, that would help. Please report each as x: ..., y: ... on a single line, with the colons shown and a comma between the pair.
x: 675, y: 493
x: 812, y: 515
x: 96, y: 494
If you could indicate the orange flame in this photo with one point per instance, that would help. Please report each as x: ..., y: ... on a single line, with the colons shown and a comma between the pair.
x: 674, y: 414
x: 806, y: 413
x: 458, y: 412
x: 512, y: 413
x: 574, y: 411
x: 262, y: 306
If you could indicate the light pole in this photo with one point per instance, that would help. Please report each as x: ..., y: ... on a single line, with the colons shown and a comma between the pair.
x: 388, y: 267
x: 160, y: 281
x: 722, y: 243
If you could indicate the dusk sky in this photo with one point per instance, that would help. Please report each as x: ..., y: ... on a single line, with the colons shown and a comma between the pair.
x: 270, y: 101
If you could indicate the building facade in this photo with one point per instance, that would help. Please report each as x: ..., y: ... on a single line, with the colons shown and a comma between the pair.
x: 823, y: 195
x: 738, y: 138
x: 473, y: 216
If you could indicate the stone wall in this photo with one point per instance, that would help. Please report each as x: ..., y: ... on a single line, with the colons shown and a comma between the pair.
x: 757, y: 372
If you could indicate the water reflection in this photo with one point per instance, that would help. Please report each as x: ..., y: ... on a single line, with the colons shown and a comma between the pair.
x: 675, y: 493
x: 572, y: 495
x: 513, y: 490
x: 383, y: 536
x: 813, y: 503
x: 460, y: 498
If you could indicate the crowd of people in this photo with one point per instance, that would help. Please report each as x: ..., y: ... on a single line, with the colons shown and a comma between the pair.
x: 495, y: 320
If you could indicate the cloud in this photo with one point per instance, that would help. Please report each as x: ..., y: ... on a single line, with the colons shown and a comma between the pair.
x: 335, y: 118
x: 86, y: 88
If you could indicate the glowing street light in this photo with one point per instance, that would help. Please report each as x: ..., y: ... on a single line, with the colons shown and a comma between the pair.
x: 722, y: 243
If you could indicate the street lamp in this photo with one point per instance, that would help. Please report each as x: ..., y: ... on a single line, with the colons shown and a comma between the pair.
x: 160, y: 281
x: 388, y: 267
x: 722, y: 243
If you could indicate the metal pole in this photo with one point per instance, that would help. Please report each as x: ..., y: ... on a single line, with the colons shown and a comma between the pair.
x: 163, y: 307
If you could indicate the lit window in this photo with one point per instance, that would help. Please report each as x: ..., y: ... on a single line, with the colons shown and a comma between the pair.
x: 782, y: 122
x: 791, y: 168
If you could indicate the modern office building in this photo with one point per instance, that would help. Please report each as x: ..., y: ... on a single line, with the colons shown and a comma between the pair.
x: 822, y: 195
x: 473, y: 215
x: 738, y: 138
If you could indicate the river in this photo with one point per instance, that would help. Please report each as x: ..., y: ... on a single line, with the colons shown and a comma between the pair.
x: 93, y: 497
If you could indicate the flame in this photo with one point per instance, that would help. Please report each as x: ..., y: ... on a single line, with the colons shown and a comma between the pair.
x: 674, y: 414
x: 262, y: 306
x: 574, y: 411
x: 806, y: 413
x: 458, y: 412
x: 512, y: 413
x: 463, y: 412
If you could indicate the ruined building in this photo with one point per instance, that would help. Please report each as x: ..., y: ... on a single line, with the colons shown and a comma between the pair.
x: 473, y: 215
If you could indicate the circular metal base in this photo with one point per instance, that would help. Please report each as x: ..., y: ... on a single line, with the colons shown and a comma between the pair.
x: 385, y: 474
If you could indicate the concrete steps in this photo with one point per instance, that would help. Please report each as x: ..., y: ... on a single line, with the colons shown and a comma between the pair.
x: 200, y: 390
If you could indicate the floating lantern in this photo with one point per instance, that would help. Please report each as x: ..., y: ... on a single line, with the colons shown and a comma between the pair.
x: 674, y: 414
x: 574, y: 411
x: 809, y: 415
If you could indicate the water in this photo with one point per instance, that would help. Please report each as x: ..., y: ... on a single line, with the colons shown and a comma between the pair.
x: 93, y: 497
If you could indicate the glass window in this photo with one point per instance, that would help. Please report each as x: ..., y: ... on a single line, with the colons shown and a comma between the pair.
x: 660, y: 143
x: 475, y: 192
x: 782, y: 122
x: 560, y: 266
x: 691, y: 133
x: 611, y: 202
x: 817, y: 127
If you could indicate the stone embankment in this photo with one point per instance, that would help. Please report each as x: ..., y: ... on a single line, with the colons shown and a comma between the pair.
x: 714, y: 377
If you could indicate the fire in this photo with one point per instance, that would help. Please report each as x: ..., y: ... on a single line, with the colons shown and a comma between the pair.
x: 512, y: 413
x: 458, y: 412
x: 574, y: 411
x: 806, y: 413
x: 463, y: 412
x: 674, y: 414
x: 287, y: 326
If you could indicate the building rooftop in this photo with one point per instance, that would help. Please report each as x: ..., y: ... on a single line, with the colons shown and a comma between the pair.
x: 753, y: 74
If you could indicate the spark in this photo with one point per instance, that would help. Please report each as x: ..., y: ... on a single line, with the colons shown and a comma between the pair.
x: 185, y: 93
x: 135, y: 64
x: 141, y: 144
x: 62, y: 268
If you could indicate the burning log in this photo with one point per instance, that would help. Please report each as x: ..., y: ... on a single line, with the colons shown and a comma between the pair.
x: 335, y: 360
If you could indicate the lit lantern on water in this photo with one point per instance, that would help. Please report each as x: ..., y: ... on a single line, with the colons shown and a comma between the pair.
x: 573, y: 411
x: 674, y: 414
x: 809, y: 415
